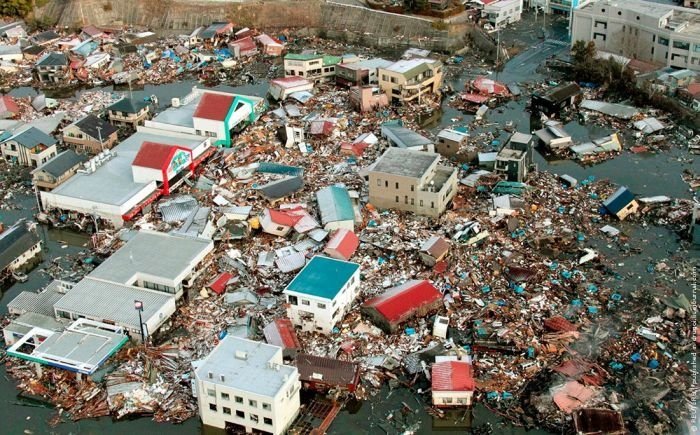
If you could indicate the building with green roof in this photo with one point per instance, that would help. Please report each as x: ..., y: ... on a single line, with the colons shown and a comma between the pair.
x: 322, y: 293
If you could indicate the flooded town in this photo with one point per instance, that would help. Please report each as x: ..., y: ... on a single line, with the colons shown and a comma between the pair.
x: 349, y: 216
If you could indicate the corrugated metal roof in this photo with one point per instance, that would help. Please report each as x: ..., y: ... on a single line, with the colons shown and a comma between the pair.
x: 452, y: 376
x: 291, y: 262
x: 334, y: 204
x: 178, y: 209
x: 110, y: 301
x: 281, y: 333
x: 402, y: 301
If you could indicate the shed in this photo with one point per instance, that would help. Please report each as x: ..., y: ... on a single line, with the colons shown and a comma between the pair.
x: 335, y: 208
x: 433, y: 250
x: 400, y: 303
x: 554, y: 100
x: 342, y: 245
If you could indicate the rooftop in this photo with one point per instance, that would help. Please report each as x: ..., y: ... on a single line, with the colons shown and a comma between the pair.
x: 323, y: 277
x: 411, y: 67
x: 90, y: 125
x: 31, y: 137
x: 331, y: 371
x: 403, y: 300
x: 403, y: 137
x: 368, y: 64
x: 14, y: 242
x: 406, y: 163
x: 214, y: 106
x: 687, y: 17
x: 302, y: 56
x: 128, y: 105
x: 246, y: 365
x: 137, y: 257
x: 113, y: 183
x: 452, y: 376
x: 334, y: 204
x: 60, y: 164
x: 154, y: 155
x: 107, y: 300
x: 53, y: 59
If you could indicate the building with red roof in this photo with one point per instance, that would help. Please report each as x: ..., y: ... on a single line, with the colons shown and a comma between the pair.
x: 281, y: 333
x: 280, y: 222
x: 398, y: 304
x: 8, y: 107
x: 270, y: 46
x: 214, y: 107
x: 162, y: 163
x: 342, y: 245
x: 452, y: 383
x: 244, y: 47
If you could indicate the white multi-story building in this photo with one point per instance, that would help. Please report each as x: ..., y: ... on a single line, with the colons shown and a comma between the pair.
x: 243, y: 384
x: 322, y: 293
x: 503, y: 12
x: 313, y: 67
x: 651, y: 32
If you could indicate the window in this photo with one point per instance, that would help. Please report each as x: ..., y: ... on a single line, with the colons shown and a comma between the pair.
x: 619, y: 12
x: 421, y: 203
x: 253, y: 418
x: 225, y: 396
x: 432, y: 204
x: 212, y: 407
x: 405, y: 199
x: 397, y: 199
x: 253, y: 403
x: 280, y: 228
x: 227, y: 411
x: 240, y: 414
x: 602, y: 24
x: 211, y: 393
x: 267, y: 421
x: 599, y: 36
x: 336, y: 313
x: 397, y: 185
x: 663, y: 41
x: 413, y: 188
x: 386, y: 183
x: 305, y: 302
x: 292, y: 300
x: 412, y: 201
x: 239, y: 399
x: 321, y: 306
x: 681, y: 45
x: 379, y: 182
x: 267, y: 406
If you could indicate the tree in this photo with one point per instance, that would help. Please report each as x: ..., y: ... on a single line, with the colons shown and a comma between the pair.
x: 582, y: 51
x: 13, y: 8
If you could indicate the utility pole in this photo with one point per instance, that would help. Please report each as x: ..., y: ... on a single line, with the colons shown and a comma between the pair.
x: 498, y: 45
x: 138, y: 305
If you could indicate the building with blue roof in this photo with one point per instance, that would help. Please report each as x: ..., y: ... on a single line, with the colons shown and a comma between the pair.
x: 322, y: 293
x: 335, y: 207
x: 621, y: 203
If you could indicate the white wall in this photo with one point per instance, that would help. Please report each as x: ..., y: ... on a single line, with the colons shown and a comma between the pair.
x: 210, y: 125
x: 145, y: 175
x: 25, y: 257
x: 439, y: 398
x: 324, y: 320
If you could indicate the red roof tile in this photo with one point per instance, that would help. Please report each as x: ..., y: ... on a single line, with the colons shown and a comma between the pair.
x: 399, y: 302
x: 219, y: 285
x: 342, y: 245
x: 154, y: 155
x: 213, y: 106
x: 452, y: 376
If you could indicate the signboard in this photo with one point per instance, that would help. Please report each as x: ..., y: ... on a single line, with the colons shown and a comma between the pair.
x: 180, y: 160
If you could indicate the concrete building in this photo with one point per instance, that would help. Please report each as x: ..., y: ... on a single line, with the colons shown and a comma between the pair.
x: 90, y: 135
x: 651, y: 32
x: 215, y: 114
x: 115, y: 185
x: 410, y: 79
x: 503, y: 12
x: 128, y: 112
x: 57, y: 170
x: 322, y: 293
x: 243, y: 385
x: 29, y: 147
x: 52, y: 68
x: 515, y: 157
x: 360, y: 73
x: 560, y: 7
x: 450, y: 142
x: 314, y: 67
x: 412, y: 181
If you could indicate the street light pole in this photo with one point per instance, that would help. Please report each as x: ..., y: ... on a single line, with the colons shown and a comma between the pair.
x: 138, y: 305
x: 99, y: 134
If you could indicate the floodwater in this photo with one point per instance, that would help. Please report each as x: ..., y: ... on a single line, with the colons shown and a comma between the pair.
x: 644, y: 174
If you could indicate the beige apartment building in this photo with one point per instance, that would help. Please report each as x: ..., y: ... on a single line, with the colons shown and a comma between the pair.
x: 651, y: 32
x: 412, y: 181
x: 409, y: 80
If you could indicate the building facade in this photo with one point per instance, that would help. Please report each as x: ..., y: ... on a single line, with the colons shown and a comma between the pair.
x: 409, y: 80
x: 128, y: 112
x: 650, y: 32
x: 503, y: 12
x: 412, y: 181
x: 53, y: 68
x: 244, y: 385
x: 31, y: 147
x: 322, y: 293
x: 90, y: 135
x: 57, y: 170
x: 314, y: 67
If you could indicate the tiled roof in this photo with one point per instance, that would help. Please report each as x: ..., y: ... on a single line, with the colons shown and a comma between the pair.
x: 452, y: 376
x: 213, y: 106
